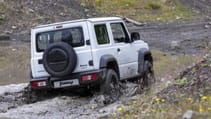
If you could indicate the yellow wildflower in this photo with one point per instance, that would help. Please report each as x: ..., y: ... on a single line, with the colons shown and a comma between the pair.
x: 157, y: 100
x: 178, y: 111
x: 163, y: 100
x: 152, y: 110
x: 210, y: 98
x: 200, y: 109
x: 120, y: 108
x: 92, y: 107
x: 190, y: 99
x: 204, y: 98
x: 209, y: 109
x: 126, y: 115
x: 114, y: 114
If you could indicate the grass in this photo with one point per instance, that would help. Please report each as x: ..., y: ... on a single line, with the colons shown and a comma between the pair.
x: 165, y: 64
x: 152, y: 107
x: 3, y: 61
x: 14, y: 63
x: 2, y: 12
x: 141, y: 10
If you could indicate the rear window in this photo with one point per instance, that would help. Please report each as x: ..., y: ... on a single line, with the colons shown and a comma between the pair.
x: 72, y: 36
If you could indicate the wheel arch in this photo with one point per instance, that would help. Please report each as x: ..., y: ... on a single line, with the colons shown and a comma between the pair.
x: 143, y: 55
x: 110, y: 62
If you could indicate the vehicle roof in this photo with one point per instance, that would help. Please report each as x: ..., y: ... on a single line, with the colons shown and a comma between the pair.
x: 104, y: 19
x: 99, y: 19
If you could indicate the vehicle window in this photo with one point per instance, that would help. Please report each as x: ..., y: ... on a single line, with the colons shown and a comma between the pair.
x: 119, y: 33
x: 101, y: 34
x: 43, y: 40
x: 72, y: 36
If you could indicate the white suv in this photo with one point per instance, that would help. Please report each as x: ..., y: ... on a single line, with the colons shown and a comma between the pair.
x: 88, y: 53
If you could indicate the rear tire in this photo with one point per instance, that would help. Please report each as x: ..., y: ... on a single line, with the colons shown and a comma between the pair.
x: 111, y: 86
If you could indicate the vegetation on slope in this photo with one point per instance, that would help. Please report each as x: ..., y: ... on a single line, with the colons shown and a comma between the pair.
x: 189, y: 95
x: 142, y: 10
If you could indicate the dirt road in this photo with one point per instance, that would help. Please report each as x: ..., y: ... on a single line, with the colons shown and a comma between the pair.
x: 183, y: 37
x: 200, y: 6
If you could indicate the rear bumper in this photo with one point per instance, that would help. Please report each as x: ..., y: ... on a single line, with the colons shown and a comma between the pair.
x: 48, y: 82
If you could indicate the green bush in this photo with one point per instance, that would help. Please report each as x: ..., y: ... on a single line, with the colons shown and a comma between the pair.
x: 154, y: 5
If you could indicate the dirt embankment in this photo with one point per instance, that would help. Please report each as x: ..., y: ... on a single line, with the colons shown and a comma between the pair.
x: 194, y: 82
x: 19, y: 16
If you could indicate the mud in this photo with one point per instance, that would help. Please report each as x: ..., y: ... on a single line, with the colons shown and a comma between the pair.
x: 61, y: 104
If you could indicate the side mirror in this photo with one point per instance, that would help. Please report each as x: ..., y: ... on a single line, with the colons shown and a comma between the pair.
x: 135, y: 36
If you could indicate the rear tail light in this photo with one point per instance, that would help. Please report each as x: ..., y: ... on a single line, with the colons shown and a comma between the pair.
x: 89, y: 77
x: 37, y: 84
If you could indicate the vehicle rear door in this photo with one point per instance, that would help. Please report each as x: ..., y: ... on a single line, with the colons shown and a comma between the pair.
x: 43, y: 36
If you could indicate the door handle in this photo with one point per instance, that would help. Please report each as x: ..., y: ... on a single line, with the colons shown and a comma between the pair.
x: 118, y: 50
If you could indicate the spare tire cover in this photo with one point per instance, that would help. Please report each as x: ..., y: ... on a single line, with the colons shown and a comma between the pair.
x: 59, y: 59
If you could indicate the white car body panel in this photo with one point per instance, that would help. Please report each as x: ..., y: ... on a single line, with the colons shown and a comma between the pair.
x: 127, y: 57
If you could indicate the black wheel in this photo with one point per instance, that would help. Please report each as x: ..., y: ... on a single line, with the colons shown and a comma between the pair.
x: 148, y: 74
x: 59, y: 59
x: 111, y: 86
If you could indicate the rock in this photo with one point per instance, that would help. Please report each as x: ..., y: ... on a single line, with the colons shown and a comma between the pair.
x: 188, y: 114
x: 177, y: 17
x: 86, y: 10
x: 175, y: 45
x: 31, y: 10
x: 209, y: 44
x: 9, y: 98
x: 206, y: 26
x: 88, y: 15
x: 4, y: 37
x: 158, y: 19
x: 1, y: 0
x: 7, y: 32
x: 63, y: 97
x: 14, y: 27
x: 94, y: 14
x: 209, y: 23
x: 99, y: 100
x: 61, y: 14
